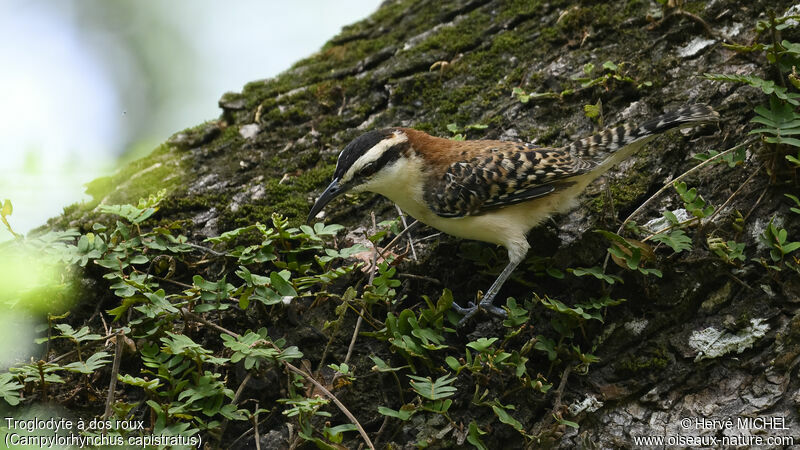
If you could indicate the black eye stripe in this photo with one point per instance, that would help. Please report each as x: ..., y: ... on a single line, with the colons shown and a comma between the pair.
x: 391, y: 154
x: 358, y: 147
x: 368, y: 169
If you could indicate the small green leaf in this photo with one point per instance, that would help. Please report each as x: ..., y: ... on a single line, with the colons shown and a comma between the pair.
x: 591, y: 111
x: 403, y: 414
x: 452, y: 363
x: 609, y: 65
x: 482, y: 344
x: 566, y: 422
x: 433, y: 390
x: 790, y: 247
x: 596, y: 272
x: 9, y: 388
x: 506, y: 418
x: 474, y: 436
x: 382, y: 366
x: 281, y: 285
x: 676, y: 239
x: 8, y: 209
x: 139, y: 259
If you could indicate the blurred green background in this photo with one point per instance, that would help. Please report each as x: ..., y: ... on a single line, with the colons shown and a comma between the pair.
x: 87, y: 84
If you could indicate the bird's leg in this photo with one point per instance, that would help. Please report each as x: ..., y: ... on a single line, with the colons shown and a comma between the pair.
x: 486, y: 302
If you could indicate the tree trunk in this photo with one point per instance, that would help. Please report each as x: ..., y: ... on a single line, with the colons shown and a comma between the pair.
x: 708, y: 341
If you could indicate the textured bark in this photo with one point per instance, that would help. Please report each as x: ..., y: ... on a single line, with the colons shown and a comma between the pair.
x: 425, y: 64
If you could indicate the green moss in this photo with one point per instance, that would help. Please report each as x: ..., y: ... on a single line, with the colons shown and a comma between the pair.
x: 257, y: 92
x: 549, y: 134
x: 515, y: 8
x: 389, y: 12
x: 351, y: 47
x: 453, y: 39
x: 99, y: 188
x: 281, y: 198
x: 694, y: 7
x: 651, y: 360
x: 635, y: 6
x: 425, y: 126
x: 550, y: 35
x: 330, y: 124
x: 313, y: 178
x: 229, y: 135
x: 506, y: 42
x: 187, y: 203
x: 628, y: 189
x: 631, y: 187
x: 290, y: 198
x: 577, y: 19
x: 457, y: 105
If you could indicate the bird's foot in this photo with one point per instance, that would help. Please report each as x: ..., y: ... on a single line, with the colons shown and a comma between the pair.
x: 473, y: 309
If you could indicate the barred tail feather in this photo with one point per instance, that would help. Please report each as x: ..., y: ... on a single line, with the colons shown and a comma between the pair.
x: 602, y: 144
x: 691, y: 115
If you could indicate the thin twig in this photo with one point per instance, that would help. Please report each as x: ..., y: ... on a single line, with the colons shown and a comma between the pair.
x: 709, y: 31
x: 671, y: 183
x: 753, y: 208
x: 428, y: 237
x: 294, y: 369
x: 385, y: 420
x: 112, y: 384
x: 736, y: 279
x: 176, y: 283
x: 255, y: 428
x: 335, y: 400
x: 391, y: 243
x: 235, y: 401
x: 71, y: 352
x: 241, y: 389
x: 405, y: 227
x: 667, y: 228
x: 205, y: 249
x: 336, y: 325
x: 560, y: 390
x: 105, y: 325
x: 247, y: 433
x: 679, y: 178
x: 721, y: 207
x: 186, y: 286
x: 190, y: 315
x: 419, y: 277
x: 371, y: 279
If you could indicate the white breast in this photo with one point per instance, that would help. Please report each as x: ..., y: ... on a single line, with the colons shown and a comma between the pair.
x: 403, y: 184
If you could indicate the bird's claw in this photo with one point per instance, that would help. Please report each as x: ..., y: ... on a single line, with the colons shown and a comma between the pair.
x: 471, y: 310
x: 463, y: 311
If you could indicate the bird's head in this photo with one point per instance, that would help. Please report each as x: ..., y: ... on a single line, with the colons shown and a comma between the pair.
x: 364, y: 164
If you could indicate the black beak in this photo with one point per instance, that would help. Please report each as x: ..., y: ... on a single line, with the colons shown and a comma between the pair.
x: 332, y: 191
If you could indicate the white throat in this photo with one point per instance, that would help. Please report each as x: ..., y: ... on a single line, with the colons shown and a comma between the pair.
x: 402, y: 183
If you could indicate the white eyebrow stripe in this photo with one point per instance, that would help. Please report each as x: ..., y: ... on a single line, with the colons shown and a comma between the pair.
x: 373, y: 154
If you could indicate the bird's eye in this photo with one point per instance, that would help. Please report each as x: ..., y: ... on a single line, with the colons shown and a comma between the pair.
x: 368, y: 169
